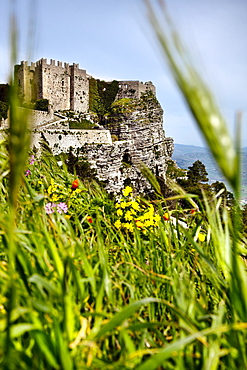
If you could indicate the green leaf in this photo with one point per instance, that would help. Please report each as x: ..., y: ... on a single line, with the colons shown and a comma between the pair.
x: 44, y: 283
x: 120, y: 317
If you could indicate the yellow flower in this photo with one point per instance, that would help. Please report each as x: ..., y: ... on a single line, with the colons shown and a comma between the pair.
x: 201, y: 237
x: 148, y: 223
x: 139, y: 224
x: 128, y: 216
x: 135, y: 205
x: 118, y: 224
x: 128, y: 226
x: 55, y: 198
x: 157, y: 218
x: 127, y: 191
x: 123, y: 205
x: 119, y: 212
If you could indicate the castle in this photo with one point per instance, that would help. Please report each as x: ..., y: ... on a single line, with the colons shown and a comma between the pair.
x: 66, y: 86
x: 131, y: 134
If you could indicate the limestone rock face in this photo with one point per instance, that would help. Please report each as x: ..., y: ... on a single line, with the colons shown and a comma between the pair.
x: 137, y: 128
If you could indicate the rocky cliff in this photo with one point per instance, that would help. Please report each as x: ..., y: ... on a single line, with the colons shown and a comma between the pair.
x: 137, y: 128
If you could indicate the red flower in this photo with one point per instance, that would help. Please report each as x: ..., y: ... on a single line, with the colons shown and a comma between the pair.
x: 89, y: 219
x: 75, y: 184
x: 192, y: 211
x: 166, y: 216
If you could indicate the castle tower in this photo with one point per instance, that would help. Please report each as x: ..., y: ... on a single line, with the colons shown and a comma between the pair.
x: 24, y: 78
x: 79, y: 89
x: 54, y: 83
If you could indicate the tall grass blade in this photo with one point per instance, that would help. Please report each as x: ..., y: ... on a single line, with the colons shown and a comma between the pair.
x: 197, y: 95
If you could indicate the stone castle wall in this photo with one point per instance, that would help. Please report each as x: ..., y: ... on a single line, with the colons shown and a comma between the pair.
x: 134, y: 89
x: 61, y: 140
x: 35, y: 118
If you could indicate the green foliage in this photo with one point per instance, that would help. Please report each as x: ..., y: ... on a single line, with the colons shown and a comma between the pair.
x: 173, y: 171
x: 84, y: 124
x: 226, y: 196
x: 197, y: 173
x: 244, y: 219
x: 101, y: 96
x: 42, y: 104
x: 3, y: 110
x: 81, y: 282
x: 80, y: 167
x: 4, y: 93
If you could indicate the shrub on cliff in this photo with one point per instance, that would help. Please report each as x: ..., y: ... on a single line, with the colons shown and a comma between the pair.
x: 3, y: 110
x: 42, y: 104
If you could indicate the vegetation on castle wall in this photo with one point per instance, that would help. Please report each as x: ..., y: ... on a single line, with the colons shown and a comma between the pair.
x: 42, y: 104
x: 84, y: 124
x: 4, y: 93
x: 101, y: 96
x: 3, y: 110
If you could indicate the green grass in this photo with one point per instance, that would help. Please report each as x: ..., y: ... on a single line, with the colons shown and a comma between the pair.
x: 78, y: 293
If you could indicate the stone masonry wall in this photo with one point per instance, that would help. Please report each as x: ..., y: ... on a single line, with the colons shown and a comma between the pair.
x: 79, y: 91
x: 56, y: 83
x: 134, y: 89
x: 60, y: 140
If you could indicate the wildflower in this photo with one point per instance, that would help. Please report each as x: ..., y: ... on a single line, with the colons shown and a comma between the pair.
x: 128, y: 216
x: 139, y: 224
x: 201, y: 237
x: 119, y: 212
x: 50, y: 208
x: 62, y: 208
x: 75, y: 184
x: 54, y: 197
x: 135, y: 205
x: 157, y: 218
x: 32, y: 160
x: 27, y: 173
x: 128, y: 226
x: 132, y: 211
x: 192, y: 211
x: 118, y: 224
x: 127, y: 191
x: 166, y: 216
x: 89, y: 219
x: 149, y: 223
x: 123, y: 205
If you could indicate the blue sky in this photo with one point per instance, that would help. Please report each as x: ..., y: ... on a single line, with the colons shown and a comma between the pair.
x: 112, y: 39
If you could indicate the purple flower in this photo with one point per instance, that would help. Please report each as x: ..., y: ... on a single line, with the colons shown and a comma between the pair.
x: 50, y: 208
x: 32, y: 160
x: 27, y: 173
x: 62, y: 208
